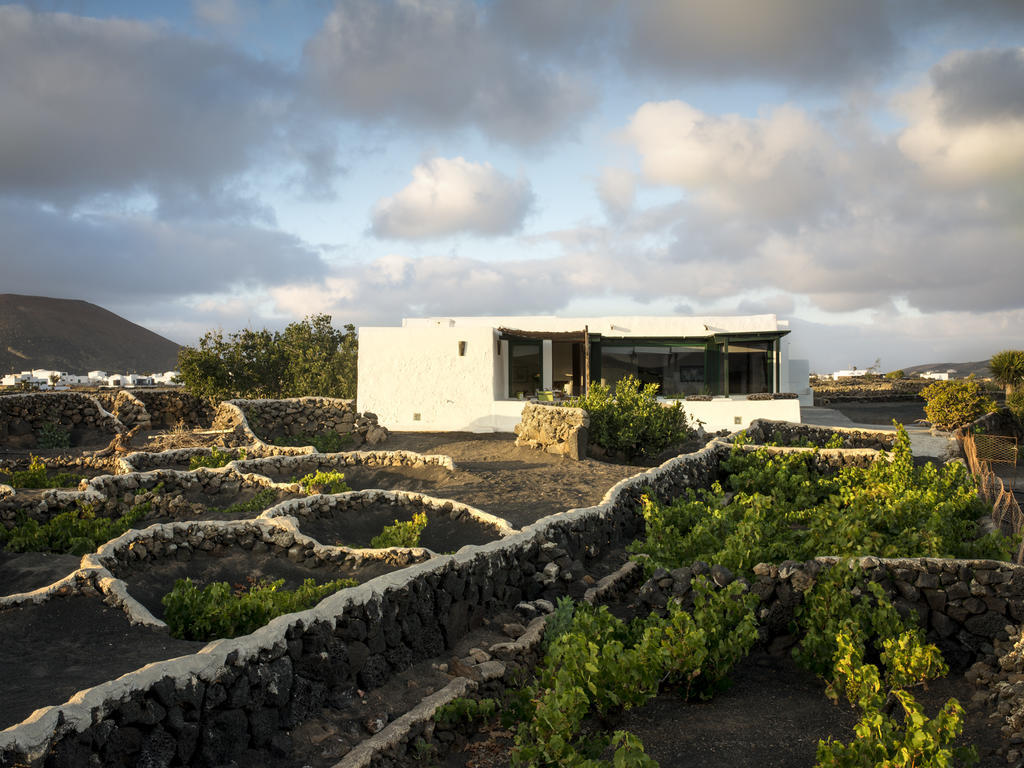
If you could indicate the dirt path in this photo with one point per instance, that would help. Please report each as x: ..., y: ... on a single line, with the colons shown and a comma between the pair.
x: 521, y: 485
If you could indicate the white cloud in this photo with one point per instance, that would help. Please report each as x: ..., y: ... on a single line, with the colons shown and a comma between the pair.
x: 114, y: 107
x: 616, y: 189
x: 438, y: 63
x: 451, y: 195
x: 218, y: 13
x: 967, y: 124
x: 774, y: 165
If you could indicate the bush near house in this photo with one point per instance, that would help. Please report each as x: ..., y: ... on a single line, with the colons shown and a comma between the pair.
x: 632, y: 421
x: 308, y: 358
x: 951, y: 404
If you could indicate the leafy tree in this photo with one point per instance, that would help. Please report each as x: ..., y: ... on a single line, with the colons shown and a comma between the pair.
x: 310, y: 357
x: 951, y: 404
x: 1008, y: 368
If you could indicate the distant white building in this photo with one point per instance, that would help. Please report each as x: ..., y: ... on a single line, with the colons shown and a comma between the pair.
x: 943, y: 376
x: 850, y: 373
x: 474, y: 373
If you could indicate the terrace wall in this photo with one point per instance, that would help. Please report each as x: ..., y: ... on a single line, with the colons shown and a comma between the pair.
x: 267, y: 420
x: 204, y: 709
x: 22, y: 417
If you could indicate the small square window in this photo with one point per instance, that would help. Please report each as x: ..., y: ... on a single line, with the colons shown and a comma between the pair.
x: 737, y: 419
x: 462, y: 349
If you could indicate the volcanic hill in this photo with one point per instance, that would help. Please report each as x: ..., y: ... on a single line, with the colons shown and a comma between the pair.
x: 77, y: 337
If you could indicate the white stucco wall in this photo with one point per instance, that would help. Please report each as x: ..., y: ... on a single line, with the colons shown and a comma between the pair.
x: 409, y: 371
x: 737, y: 412
x: 416, y: 370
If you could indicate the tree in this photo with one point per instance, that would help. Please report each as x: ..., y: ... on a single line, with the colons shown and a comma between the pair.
x: 1008, y: 368
x: 951, y: 404
x: 310, y: 357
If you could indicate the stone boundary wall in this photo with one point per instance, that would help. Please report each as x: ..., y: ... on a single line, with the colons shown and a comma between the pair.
x: 299, y: 416
x: 762, y: 431
x: 207, y: 707
x: 305, y: 464
x: 114, y: 495
x: 825, y: 460
x: 964, y: 605
x: 168, y: 408
x: 23, y: 416
x: 560, y: 430
x: 353, y: 501
x: 144, y: 461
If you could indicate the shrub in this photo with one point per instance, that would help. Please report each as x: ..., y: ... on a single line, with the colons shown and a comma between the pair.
x: 77, y: 531
x: 263, y: 499
x: 1008, y: 368
x: 632, y: 421
x: 35, y: 477
x: 217, y: 458
x: 323, y: 482
x: 53, y: 435
x: 952, y: 404
x: 783, y: 508
x: 1015, y: 403
x: 897, y: 374
x: 401, y: 534
x: 218, y: 611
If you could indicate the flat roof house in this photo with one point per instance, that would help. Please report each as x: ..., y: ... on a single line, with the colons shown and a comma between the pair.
x: 474, y: 373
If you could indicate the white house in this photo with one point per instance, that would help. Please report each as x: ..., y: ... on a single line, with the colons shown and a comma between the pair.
x: 849, y: 373
x: 474, y: 373
x: 936, y: 375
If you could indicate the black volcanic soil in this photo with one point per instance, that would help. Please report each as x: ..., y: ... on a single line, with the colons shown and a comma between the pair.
x: 66, y: 645
x: 25, y: 571
x: 521, y: 485
x: 357, y: 527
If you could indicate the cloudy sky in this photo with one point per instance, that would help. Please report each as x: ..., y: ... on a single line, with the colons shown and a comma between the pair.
x: 855, y: 167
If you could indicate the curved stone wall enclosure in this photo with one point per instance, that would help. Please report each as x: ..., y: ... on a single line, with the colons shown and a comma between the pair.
x: 396, y: 504
x: 237, y: 693
x: 265, y: 420
x: 23, y: 418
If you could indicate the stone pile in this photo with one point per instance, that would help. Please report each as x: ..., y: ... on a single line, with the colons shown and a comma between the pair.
x: 559, y: 430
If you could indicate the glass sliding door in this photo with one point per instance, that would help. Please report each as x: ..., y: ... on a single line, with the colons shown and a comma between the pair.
x: 524, y: 368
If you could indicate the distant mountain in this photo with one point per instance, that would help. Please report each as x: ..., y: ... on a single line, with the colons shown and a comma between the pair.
x: 959, y: 370
x: 76, y: 336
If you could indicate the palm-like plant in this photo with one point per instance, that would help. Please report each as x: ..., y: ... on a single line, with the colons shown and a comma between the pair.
x: 1008, y: 368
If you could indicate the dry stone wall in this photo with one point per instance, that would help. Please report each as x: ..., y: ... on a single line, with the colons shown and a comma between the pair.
x: 763, y: 431
x: 560, y: 430
x: 267, y: 420
x: 24, y: 417
x: 964, y: 605
x: 206, y: 708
